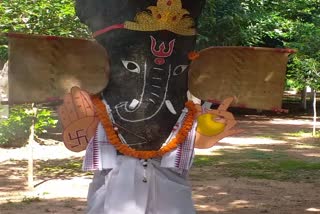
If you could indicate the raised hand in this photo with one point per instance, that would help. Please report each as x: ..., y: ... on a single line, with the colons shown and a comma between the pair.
x: 78, y: 118
x: 214, y: 125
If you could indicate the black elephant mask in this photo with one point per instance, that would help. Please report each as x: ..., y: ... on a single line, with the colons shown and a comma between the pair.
x: 148, y: 44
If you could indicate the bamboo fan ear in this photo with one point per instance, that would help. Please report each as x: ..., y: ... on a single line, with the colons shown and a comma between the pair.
x: 255, y: 76
x: 42, y: 68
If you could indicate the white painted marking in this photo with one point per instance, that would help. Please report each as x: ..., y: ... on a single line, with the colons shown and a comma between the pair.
x: 269, y: 77
x: 156, y: 112
x: 159, y: 69
x: 156, y: 78
x: 151, y: 100
x: 122, y: 139
x: 134, y: 103
x: 154, y: 94
x: 170, y: 107
x: 155, y: 86
x: 177, y: 71
x: 125, y: 104
x: 135, y: 70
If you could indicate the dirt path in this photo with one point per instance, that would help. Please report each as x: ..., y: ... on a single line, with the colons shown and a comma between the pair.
x: 215, y: 190
x: 245, y: 196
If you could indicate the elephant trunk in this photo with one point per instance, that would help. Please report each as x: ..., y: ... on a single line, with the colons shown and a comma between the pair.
x: 152, y: 98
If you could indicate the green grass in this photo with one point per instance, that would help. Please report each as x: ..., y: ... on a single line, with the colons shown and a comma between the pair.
x: 276, y: 170
x: 29, y: 200
x: 304, y: 133
x: 261, y: 165
x: 65, y: 168
x: 274, y: 165
x: 300, y: 133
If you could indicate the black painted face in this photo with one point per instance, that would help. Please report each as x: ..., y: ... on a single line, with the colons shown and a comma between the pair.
x: 148, y: 84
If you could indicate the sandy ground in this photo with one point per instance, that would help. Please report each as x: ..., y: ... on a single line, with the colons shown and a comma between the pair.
x: 213, y: 192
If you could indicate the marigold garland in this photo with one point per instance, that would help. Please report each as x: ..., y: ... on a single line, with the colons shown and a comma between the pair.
x: 128, y: 151
x: 193, y: 55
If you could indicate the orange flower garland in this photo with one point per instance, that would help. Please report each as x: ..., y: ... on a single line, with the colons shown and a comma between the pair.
x: 193, y: 55
x: 128, y: 151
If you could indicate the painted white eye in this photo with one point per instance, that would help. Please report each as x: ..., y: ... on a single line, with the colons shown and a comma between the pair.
x: 179, y: 69
x: 131, y: 66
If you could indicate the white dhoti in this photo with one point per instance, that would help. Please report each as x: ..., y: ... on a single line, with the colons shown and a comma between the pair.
x: 123, y: 191
x: 118, y: 185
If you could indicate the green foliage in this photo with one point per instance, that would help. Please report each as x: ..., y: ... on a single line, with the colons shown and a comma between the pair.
x: 304, y: 72
x: 223, y: 22
x: 238, y: 22
x: 3, y: 52
x: 54, y: 17
x: 268, y: 23
x: 305, y: 65
x: 44, y: 121
x: 16, y: 129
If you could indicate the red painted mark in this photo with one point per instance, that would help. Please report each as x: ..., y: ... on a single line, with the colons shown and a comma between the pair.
x: 176, y: 127
x: 159, y: 16
x: 161, y: 52
x: 279, y: 110
x: 159, y: 61
x: 169, y: 3
x: 107, y: 29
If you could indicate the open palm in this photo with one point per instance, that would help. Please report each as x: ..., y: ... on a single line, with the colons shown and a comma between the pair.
x: 78, y: 118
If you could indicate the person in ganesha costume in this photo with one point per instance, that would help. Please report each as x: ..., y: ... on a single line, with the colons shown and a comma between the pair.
x: 140, y: 132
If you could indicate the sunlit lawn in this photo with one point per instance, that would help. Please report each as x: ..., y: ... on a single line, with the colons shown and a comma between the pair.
x: 273, y: 165
x: 269, y: 164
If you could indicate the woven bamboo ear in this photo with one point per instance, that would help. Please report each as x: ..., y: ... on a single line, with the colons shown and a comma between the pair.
x: 255, y: 76
x: 42, y: 68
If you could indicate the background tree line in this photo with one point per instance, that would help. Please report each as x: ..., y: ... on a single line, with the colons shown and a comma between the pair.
x: 266, y: 23
x: 48, y: 17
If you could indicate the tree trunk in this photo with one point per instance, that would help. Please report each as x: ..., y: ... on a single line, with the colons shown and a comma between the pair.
x: 314, y: 112
x: 304, y: 98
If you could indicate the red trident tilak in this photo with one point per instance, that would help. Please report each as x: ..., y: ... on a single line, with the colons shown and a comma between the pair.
x: 161, y: 53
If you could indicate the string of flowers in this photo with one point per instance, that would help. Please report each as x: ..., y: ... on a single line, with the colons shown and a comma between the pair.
x: 128, y: 151
x: 193, y: 55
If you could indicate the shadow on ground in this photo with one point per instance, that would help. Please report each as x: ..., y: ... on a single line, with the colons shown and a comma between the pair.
x: 13, y: 173
x: 36, y: 205
x: 221, y: 184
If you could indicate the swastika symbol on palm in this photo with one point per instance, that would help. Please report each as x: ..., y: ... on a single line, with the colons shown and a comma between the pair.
x: 79, y: 138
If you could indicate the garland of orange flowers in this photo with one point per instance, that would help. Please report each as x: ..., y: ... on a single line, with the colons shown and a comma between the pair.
x: 128, y: 151
x: 193, y: 55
